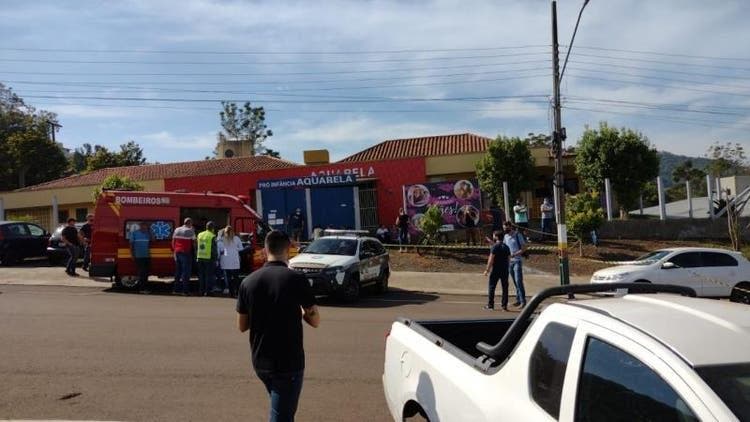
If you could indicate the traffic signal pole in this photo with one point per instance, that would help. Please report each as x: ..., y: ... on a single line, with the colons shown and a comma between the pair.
x: 558, y: 136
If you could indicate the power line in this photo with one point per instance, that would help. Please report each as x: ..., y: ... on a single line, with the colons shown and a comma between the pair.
x: 217, y: 100
x: 389, y: 110
x: 652, y: 69
x: 308, y: 62
x: 654, y: 107
x: 658, y: 53
x: 689, y: 81
x: 599, y: 56
x: 737, y: 94
x: 269, y: 52
x: 659, y: 104
x: 342, y: 72
x: 697, y: 122
x: 417, y: 84
x: 287, y: 82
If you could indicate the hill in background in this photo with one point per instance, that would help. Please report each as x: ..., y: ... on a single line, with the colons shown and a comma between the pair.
x: 669, y: 161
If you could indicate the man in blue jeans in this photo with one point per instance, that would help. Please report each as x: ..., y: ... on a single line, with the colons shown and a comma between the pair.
x: 515, y: 241
x: 497, y: 268
x: 272, y: 303
x: 183, y: 245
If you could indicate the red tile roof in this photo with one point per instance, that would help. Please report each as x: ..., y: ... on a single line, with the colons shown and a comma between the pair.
x: 428, y: 146
x: 170, y: 170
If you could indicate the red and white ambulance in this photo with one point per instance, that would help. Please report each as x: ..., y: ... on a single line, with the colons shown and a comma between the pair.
x: 119, y: 213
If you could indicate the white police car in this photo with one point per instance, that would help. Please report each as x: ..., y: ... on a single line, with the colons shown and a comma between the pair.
x: 342, y: 262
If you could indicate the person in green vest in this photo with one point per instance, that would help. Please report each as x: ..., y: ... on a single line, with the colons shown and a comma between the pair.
x: 207, y: 256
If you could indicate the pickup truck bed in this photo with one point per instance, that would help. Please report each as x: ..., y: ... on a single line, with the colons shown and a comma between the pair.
x: 461, y: 334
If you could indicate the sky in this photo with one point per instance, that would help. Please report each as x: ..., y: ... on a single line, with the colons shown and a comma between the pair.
x: 345, y: 75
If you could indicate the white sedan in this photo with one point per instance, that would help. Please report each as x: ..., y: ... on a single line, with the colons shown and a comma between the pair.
x: 710, y: 272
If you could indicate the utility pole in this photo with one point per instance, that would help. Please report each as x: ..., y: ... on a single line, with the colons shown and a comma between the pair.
x: 558, y: 136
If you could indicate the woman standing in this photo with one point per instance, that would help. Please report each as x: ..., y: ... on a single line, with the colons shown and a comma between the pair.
x: 230, y: 247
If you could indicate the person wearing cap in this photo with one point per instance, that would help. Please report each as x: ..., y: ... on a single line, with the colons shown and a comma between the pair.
x: 207, y: 256
x: 296, y: 225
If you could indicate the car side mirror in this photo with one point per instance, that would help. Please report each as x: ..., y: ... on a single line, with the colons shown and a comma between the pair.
x: 669, y: 266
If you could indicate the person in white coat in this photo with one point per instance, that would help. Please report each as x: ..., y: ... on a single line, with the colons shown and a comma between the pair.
x: 230, y: 247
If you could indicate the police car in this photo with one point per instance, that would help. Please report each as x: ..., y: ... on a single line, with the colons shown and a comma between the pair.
x: 342, y: 262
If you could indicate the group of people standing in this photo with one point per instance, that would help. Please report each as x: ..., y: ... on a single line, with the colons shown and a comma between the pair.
x: 212, y: 252
x: 77, y: 242
x: 506, y: 258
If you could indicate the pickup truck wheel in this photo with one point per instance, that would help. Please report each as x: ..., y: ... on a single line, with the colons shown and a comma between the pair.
x: 351, y: 291
x: 741, y: 293
x: 127, y: 282
x: 413, y: 410
x: 382, y: 285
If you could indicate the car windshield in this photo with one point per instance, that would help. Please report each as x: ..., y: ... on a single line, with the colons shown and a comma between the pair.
x: 650, y: 257
x: 333, y: 246
x: 732, y: 384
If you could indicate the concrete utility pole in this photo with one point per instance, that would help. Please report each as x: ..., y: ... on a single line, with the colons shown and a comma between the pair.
x: 558, y: 136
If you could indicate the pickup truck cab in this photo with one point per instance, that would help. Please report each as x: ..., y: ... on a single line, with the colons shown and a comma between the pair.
x: 659, y: 357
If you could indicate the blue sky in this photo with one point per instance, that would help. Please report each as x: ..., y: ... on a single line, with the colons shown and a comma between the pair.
x: 344, y: 75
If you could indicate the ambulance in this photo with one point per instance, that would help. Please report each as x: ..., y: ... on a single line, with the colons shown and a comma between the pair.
x: 120, y: 213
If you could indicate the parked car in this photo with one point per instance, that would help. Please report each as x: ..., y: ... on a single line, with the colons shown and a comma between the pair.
x: 56, y: 252
x: 20, y: 240
x: 711, y: 272
x: 627, y: 358
x: 342, y: 262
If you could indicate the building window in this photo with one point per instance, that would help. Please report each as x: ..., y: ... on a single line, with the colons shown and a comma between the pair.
x: 62, y: 216
x: 81, y: 214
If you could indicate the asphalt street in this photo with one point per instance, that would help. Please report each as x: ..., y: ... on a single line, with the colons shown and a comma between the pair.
x: 93, y: 353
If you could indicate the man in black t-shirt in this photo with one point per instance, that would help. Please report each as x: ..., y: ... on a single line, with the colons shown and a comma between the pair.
x: 72, y: 243
x: 497, y: 267
x: 272, y: 303
x: 402, y: 223
x: 86, y: 232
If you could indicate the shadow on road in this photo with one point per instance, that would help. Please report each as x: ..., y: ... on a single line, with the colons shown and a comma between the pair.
x: 392, y: 298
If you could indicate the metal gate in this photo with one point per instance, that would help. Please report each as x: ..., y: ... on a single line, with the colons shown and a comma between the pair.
x: 368, y: 206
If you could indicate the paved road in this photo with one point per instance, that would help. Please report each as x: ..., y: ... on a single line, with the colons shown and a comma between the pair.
x: 40, y: 273
x: 90, y: 353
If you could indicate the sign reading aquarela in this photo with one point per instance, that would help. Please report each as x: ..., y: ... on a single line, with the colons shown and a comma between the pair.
x: 458, y: 201
x: 367, y: 171
x: 308, y: 181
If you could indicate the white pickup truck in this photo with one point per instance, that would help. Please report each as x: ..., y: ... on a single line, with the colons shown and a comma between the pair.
x: 663, y: 355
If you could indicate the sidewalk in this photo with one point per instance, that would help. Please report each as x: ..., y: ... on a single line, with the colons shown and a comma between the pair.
x: 470, y: 284
x: 442, y: 283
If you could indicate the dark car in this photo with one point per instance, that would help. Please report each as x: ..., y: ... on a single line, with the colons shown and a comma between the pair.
x: 56, y: 252
x: 20, y: 240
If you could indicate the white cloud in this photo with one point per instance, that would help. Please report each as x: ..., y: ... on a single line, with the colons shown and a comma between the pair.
x: 165, y: 139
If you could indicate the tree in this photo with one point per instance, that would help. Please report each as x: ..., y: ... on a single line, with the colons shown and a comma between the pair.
x: 246, y: 124
x: 27, y: 152
x: 727, y: 160
x: 131, y: 154
x: 271, y: 153
x: 431, y: 222
x: 624, y: 156
x: 117, y: 182
x: 583, y: 215
x: 87, y: 158
x: 507, y: 160
x: 538, y: 140
x: 685, y: 172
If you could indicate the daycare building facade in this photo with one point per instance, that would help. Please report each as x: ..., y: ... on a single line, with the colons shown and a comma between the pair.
x: 362, y: 191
